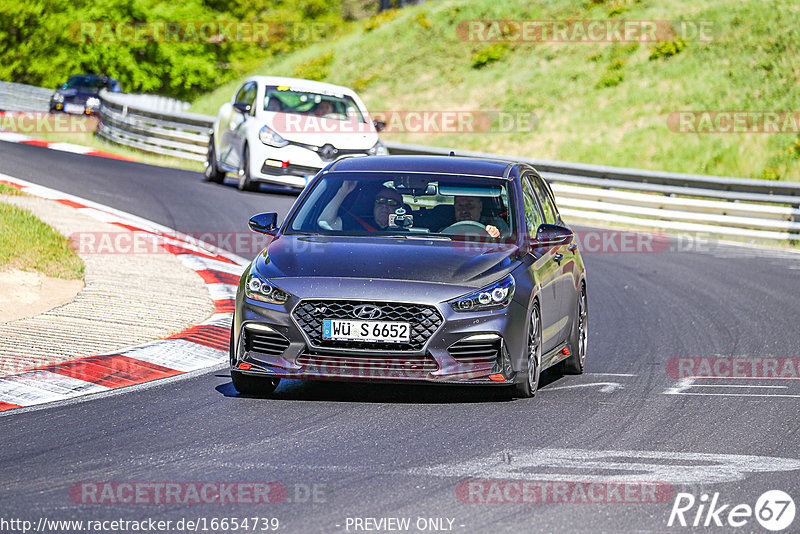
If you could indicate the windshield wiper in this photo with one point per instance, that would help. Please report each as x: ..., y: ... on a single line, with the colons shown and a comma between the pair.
x: 419, y: 236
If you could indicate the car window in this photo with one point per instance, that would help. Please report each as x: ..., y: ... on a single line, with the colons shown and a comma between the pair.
x: 391, y: 204
x: 240, y: 95
x: 250, y: 95
x: 84, y: 83
x: 545, y: 200
x: 533, y: 213
x: 284, y: 99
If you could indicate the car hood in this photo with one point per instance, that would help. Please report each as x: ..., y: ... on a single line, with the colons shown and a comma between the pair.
x: 460, y: 264
x: 76, y: 94
x: 316, y: 131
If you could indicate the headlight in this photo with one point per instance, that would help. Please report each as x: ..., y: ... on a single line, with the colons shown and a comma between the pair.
x: 378, y: 150
x: 92, y: 102
x: 257, y: 288
x: 493, y: 297
x: 58, y: 98
x: 270, y: 137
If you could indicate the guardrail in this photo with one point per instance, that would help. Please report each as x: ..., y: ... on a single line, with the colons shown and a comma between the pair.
x: 740, y: 207
x: 138, y: 123
x: 22, y: 97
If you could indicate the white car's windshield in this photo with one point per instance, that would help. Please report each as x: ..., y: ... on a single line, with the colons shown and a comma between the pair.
x: 284, y: 99
x: 408, y: 205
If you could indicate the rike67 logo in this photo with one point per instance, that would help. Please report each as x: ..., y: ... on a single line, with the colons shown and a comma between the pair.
x: 774, y: 510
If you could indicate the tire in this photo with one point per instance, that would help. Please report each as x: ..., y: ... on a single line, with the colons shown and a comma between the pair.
x: 245, y: 183
x: 254, y: 385
x: 578, y: 339
x: 211, y: 172
x: 530, y: 383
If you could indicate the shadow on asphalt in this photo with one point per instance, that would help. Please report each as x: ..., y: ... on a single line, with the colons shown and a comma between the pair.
x: 231, y: 182
x: 318, y: 390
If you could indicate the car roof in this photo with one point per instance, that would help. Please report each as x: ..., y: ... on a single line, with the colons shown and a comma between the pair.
x: 304, y: 85
x: 429, y: 164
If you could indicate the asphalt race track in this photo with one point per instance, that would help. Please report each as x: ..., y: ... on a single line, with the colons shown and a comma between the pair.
x: 347, y: 452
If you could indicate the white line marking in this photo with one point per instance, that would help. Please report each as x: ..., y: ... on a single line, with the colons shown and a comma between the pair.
x: 608, y: 387
x: 680, y: 387
x: 738, y: 395
x: 625, y: 465
x: 13, y: 137
x: 69, y: 147
x: 736, y: 386
x: 609, y: 374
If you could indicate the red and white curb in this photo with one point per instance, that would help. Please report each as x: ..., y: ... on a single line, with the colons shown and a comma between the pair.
x: 14, y: 137
x: 201, y: 346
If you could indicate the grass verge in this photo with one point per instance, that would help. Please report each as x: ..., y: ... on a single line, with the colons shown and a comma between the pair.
x: 28, y: 244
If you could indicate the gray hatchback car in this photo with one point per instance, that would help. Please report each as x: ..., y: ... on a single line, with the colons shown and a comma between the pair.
x: 428, y: 269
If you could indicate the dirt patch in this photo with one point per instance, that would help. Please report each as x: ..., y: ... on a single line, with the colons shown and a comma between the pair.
x: 26, y: 294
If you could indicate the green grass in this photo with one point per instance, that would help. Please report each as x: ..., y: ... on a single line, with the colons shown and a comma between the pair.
x: 11, y: 191
x: 29, y: 244
x: 603, y: 103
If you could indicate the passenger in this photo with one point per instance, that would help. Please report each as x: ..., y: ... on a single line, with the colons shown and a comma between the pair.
x: 470, y: 208
x: 386, y: 201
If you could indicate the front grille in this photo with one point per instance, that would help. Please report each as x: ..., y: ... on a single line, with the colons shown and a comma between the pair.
x: 475, y: 351
x: 291, y: 169
x: 367, y: 364
x: 423, y: 319
x: 269, y: 343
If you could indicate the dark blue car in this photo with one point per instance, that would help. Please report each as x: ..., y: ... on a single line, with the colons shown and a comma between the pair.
x: 80, y: 94
x: 413, y: 269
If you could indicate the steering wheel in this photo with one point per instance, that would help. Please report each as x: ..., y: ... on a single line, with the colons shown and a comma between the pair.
x: 464, y: 226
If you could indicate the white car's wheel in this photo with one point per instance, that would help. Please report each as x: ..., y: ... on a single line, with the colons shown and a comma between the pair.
x: 245, y: 182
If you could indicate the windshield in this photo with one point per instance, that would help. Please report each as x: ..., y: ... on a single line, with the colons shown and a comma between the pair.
x: 328, y: 105
x: 407, y: 205
x: 84, y: 83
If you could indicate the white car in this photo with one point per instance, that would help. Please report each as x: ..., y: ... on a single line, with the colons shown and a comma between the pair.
x: 284, y: 130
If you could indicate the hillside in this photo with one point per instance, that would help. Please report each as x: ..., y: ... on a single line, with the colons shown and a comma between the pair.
x: 596, y: 102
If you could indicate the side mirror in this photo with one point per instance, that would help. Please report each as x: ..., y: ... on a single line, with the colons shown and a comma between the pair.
x: 379, y: 125
x: 264, y: 223
x: 552, y: 235
x: 242, y: 107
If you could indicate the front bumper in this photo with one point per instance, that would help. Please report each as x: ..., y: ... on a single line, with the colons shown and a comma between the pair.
x: 291, y: 165
x: 466, y: 348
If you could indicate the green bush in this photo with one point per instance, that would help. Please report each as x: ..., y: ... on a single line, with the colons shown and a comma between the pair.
x: 381, y: 18
x: 490, y: 54
x: 665, y: 49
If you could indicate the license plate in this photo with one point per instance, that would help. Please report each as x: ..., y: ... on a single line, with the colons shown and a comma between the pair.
x: 376, y: 331
x: 73, y: 108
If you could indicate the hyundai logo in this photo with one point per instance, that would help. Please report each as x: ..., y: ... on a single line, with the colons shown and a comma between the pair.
x: 367, y: 311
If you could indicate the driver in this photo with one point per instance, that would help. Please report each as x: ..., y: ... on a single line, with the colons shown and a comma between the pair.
x: 386, y: 201
x: 469, y: 209
x: 325, y: 107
